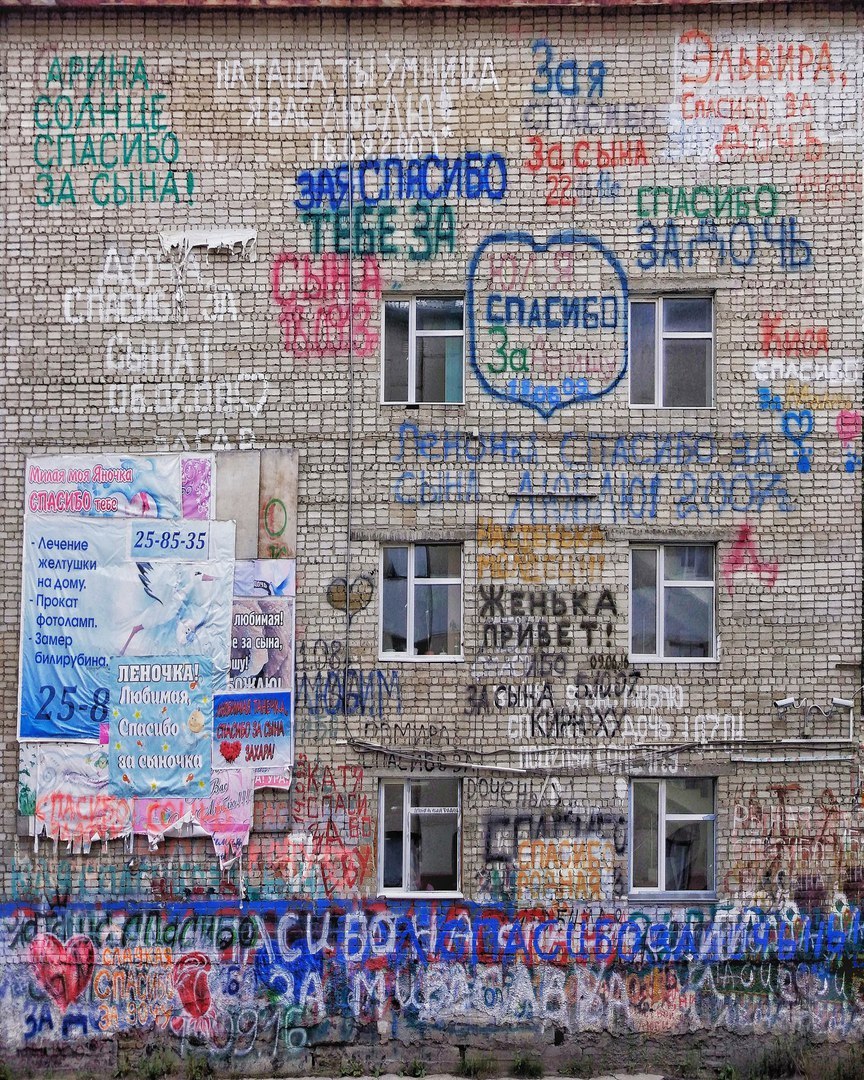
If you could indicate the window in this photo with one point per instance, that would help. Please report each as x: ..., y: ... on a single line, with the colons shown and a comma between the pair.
x: 672, y: 836
x: 672, y: 602
x: 418, y: 837
x: 423, y: 350
x: 671, y: 352
x: 421, y: 601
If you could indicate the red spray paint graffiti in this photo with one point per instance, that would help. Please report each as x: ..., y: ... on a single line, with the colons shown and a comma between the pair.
x: 63, y: 971
x: 322, y: 311
x: 776, y: 338
x: 192, y: 983
x: 848, y: 426
x: 744, y: 557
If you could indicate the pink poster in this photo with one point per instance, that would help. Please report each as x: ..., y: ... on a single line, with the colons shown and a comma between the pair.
x: 225, y: 816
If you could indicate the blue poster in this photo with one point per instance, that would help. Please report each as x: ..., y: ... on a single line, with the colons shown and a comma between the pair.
x: 161, y: 726
x: 253, y: 730
x: 87, y: 598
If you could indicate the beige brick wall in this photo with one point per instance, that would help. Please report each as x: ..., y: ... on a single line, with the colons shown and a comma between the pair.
x: 101, y: 355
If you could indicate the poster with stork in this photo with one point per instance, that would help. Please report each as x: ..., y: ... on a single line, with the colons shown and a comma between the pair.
x: 89, y: 597
x: 144, y: 608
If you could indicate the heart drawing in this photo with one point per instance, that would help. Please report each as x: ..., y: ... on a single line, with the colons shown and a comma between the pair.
x: 230, y: 750
x: 359, y: 594
x: 541, y: 333
x: 63, y: 971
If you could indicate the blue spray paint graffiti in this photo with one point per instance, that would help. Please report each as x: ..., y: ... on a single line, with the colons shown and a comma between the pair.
x: 596, y: 478
x: 373, y: 180
x: 276, y: 976
x: 565, y: 77
x: 355, y: 692
x: 505, y: 365
x: 673, y: 246
x: 796, y: 427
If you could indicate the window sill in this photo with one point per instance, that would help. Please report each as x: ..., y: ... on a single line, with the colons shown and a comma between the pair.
x: 435, y: 659
x: 416, y: 404
x: 676, y: 897
x: 429, y: 894
x: 672, y: 408
x: 633, y: 659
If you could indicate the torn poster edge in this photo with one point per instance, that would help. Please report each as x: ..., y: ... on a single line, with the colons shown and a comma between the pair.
x: 231, y: 841
x: 242, y: 242
x: 178, y: 246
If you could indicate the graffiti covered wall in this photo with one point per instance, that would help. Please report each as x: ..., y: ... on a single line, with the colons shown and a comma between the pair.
x: 501, y: 373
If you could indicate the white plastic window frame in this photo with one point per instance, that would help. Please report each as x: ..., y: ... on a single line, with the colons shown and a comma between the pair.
x: 660, y: 635
x: 410, y: 656
x: 454, y: 894
x: 660, y: 337
x: 663, y: 817
x: 413, y: 334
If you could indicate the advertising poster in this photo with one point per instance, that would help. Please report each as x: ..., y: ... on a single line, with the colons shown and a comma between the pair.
x: 73, y: 801
x: 117, y: 485
x: 281, y: 780
x: 27, y: 773
x: 161, y: 725
x: 94, y: 590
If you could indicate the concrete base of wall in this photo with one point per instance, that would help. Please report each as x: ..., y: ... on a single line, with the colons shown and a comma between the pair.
x: 696, y: 1056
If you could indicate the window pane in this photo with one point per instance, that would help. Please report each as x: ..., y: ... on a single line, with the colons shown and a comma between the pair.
x: 646, y: 813
x: 690, y: 855
x: 439, y: 369
x: 393, y: 835
x: 435, y: 793
x: 440, y: 314
x: 396, y: 562
x: 689, y: 315
x: 643, y: 601
x: 434, y: 854
x: 437, y: 561
x: 394, y: 601
x: 396, y: 350
x: 687, y: 372
x: 642, y: 354
x: 437, y: 618
x: 694, y: 796
x: 688, y: 562
x: 434, y: 835
x: 453, y: 366
x: 689, y: 621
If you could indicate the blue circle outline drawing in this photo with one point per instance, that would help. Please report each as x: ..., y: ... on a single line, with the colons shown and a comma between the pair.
x: 572, y: 239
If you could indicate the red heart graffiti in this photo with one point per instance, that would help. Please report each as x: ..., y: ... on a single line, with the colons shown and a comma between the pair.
x: 192, y: 984
x: 230, y: 750
x: 63, y: 971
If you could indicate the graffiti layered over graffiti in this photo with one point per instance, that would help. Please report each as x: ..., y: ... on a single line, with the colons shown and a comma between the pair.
x: 285, y: 975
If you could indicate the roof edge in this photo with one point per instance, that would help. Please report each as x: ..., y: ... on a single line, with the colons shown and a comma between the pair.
x: 367, y: 5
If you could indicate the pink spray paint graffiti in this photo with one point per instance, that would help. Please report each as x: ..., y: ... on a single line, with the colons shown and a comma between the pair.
x: 848, y: 430
x: 319, y: 312
x: 744, y: 557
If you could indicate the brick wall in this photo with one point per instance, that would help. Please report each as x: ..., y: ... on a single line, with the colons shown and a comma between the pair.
x: 526, y: 161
